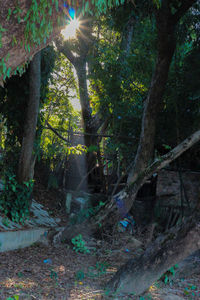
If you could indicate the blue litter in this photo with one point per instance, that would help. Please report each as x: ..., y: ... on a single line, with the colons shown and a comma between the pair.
x: 127, y: 223
x: 48, y: 261
x: 127, y: 250
x: 124, y: 223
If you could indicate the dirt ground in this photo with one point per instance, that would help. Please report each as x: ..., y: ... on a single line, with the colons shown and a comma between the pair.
x: 47, y: 273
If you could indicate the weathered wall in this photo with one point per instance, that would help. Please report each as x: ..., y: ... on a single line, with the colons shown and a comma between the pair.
x: 169, y: 187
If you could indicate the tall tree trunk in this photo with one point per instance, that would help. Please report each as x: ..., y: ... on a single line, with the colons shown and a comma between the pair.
x: 166, y: 48
x: 90, y: 124
x: 27, y: 158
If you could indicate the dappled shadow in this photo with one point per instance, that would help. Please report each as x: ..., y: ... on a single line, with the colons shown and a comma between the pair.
x: 48, y: 273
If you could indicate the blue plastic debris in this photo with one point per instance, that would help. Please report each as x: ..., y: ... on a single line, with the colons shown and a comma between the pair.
x: 127, y: 224
x: 47, y: 261
x: 124, y: 223
x: 127, y: 250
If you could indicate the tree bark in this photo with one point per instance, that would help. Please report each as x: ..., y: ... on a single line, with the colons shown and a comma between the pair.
x: 85, y: 105
x: 27, y: 157
x: 138, y: 274
x: 166, y: 48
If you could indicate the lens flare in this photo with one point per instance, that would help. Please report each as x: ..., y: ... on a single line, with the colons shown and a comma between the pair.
x: 70, y: 30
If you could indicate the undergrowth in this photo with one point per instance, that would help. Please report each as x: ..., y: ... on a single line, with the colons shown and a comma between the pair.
x: 15, y: 198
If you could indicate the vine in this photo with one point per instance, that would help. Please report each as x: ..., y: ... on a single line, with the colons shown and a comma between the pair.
x: 39, y: 22
x: 39, y: 25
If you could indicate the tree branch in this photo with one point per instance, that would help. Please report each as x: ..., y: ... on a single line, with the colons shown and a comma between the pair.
x: 56, y: 133
x: 64, y: 48
x: 92, y: 134
x: 164, y: 160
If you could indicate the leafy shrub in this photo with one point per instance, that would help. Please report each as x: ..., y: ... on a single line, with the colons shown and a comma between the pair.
x: 168, y: 276
x: 79, y: 244
x: 14, y: 200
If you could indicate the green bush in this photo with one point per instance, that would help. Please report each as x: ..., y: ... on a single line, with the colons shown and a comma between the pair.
x: 79, y: 244
x: 15, y: 198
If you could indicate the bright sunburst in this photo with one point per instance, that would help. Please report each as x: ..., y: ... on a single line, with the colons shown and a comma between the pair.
x: 70, y: 30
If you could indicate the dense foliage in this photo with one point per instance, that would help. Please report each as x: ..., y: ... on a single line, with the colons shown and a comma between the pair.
x: 118, y: 80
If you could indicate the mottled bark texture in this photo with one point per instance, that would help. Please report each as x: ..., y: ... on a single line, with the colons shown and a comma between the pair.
x: 27, y: 157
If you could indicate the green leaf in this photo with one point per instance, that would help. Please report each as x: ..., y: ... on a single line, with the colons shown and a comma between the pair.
x: 8, y: 72
x: 9, y: 14
x: 166, y: 279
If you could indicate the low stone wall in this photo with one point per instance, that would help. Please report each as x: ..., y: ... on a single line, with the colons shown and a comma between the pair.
x: 12, y: 240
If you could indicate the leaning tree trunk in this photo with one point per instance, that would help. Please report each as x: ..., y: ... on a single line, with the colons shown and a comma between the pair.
x: 138, y: 274
x: 166, y: 25
x: 27, y: 158
x: 114, y: 209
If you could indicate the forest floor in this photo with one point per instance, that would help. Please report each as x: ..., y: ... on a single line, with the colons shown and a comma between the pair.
x: 48, y: 273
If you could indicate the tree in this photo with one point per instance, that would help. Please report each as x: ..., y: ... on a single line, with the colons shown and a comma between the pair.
x: 167, y: 15
x: 22, y: 94
x: 118, y: 84
x: 167, y: 18
x: 59, y: 119
x: 27, y: 157
x: 82, y: 46
x: 166, y: 22
x: 137, y: 275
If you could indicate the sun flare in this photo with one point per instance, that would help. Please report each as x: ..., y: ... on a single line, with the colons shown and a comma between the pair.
x: 70, y: 30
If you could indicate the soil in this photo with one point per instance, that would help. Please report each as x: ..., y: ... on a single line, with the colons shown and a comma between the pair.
x: 48, y: 273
